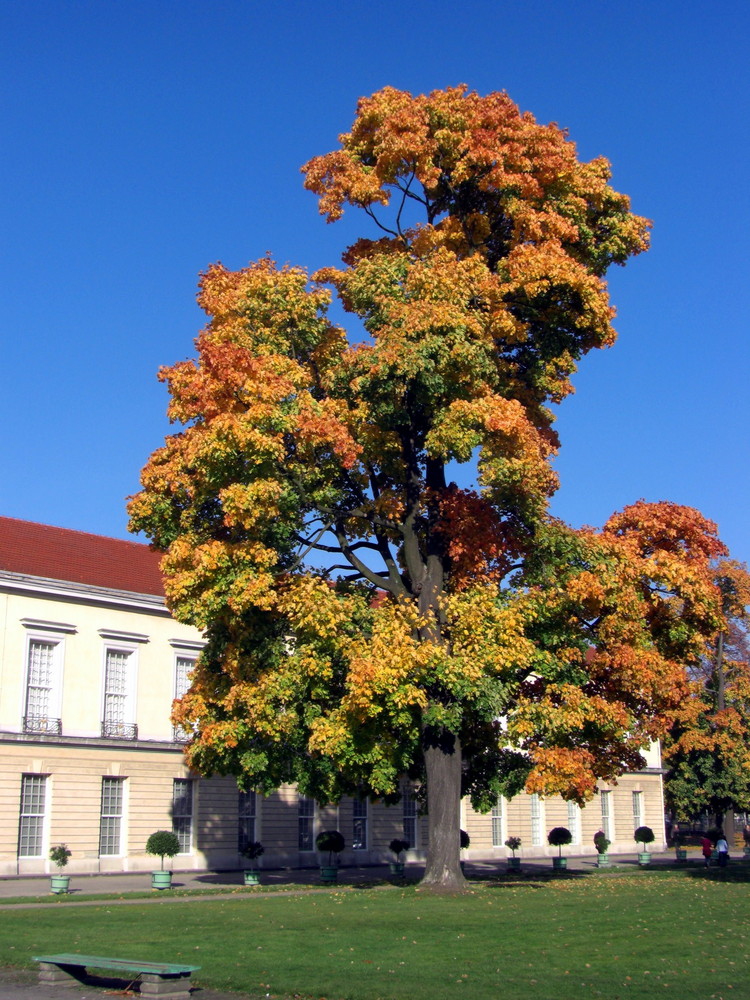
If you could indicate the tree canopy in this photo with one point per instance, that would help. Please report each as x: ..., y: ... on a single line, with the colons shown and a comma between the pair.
x: 707, y: 748
x: 367, y: 616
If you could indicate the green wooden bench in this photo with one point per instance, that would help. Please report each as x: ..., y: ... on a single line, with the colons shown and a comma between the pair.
x: 156, y: 979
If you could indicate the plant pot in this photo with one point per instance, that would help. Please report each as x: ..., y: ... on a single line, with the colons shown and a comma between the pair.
x: 644, y: 859
x: 161, y: 880
x: 514, y: 864
x: 558, y: 864
x: 602, y: 860
x: 397, y: 868
x: 680, y: 854
x: 329, y: 873
x: 746, y: 850
x: 59, y: 883
x: 251, y: 877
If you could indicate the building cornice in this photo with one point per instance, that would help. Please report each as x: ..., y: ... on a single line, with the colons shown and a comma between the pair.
x: 164, y: 746
x: 67, y: 589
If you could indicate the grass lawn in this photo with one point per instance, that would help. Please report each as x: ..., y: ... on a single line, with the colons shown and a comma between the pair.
x: 642, y: 935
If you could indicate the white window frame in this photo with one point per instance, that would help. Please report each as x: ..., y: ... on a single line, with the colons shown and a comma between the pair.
x: 638, y: 812
x: 360, y: 824
x: 498, y: 822
x: 130, y: 650
x: 574, y: 821
x: 410, y: 815
x: 184, y: 819
x: 105, y: 817
x: 537, y: 820
x: 49, y: 634
x: 182, y: 684
x: 607, y: 820
x: 28, y: 817
x: 247, y: 819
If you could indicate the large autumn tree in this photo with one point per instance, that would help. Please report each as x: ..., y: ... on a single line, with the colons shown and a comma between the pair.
x: 366, y: 616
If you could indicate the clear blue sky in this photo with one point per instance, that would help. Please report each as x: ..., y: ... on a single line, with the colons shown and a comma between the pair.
x: 142, y: 141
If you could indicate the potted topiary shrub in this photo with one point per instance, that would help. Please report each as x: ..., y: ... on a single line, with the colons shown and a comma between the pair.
x: 644, y: 835
x: 59, y: 855
x: 513, y: 843
x: 330, y: 842
x: 398, y: 846
x: 559, y: 837
x: 252, y: 852
x: 162, y: 844
x: 601, y: 843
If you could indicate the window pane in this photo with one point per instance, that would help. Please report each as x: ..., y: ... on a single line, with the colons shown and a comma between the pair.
x: 606, y: 818
x: 246, y: 806
x: 574, y: 821
x: 31, y: 825
x: 184, y: 666
x: 359, y: 825
x: 536, y: 821
x: 305, y: 823
x: 40, y: 676
x: 116, y: 687
x: 182, y: 813
x: 111, y: 816
x: 409, y: 812
x: 637, y: 809
x: 497, y: 823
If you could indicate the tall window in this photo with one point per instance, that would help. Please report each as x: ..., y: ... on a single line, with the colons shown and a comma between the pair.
x: 359, y: 825
x: 110, y: 824
x: 536, y: 820
x: 497, y: 823
x: 41, y: 710
x: 305, y: 823
x: 117, y: 698
x: 606, y: 814
x: 31, y: 825
x: 184, y: 666
x: 574, y: 821
x: 410, y: 817
x: 637, y: 809
x: 246, y: 813
x: 182, y: 813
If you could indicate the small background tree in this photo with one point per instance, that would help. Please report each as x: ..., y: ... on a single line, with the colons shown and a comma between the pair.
x: 330, y: 841
x: 59, y: 855
x: 398, y: 846
x: 644, y: 835
x: 253, y: 851
x: 163, y: 844
x: 601, y: 842
x: 513, y: 843
x: 559, y: 837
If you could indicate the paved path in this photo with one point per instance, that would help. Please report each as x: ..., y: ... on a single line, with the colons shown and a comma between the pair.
x: 123, y: 882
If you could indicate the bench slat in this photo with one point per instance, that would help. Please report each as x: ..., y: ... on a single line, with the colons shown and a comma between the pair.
x: 119, y: 964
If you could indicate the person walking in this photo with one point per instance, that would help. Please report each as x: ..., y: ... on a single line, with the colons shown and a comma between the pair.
x: 722, y: 850
x: 706, y: 849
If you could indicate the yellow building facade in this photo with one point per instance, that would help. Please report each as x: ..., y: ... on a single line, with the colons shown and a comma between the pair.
x: 90, y: 663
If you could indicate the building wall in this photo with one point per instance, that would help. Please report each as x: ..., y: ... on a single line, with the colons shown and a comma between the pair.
x: 76, y: 760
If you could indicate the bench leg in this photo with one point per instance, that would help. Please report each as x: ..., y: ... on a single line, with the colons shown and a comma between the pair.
x: 172, y: 987
x: 61, y: 975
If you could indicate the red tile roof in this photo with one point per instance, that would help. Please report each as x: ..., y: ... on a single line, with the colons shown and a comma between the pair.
x: 75, y: 556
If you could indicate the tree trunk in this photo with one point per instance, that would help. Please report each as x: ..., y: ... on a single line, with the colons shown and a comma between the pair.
x: 443, y: 869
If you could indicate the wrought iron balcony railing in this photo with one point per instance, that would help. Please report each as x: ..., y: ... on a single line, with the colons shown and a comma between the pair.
x: 120, y: 730
x: 42, y: 724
